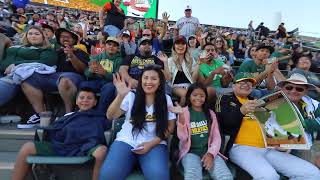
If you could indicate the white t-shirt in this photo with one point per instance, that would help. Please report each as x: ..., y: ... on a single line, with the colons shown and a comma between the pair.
x: 148, y: 133
x: 187, y: 26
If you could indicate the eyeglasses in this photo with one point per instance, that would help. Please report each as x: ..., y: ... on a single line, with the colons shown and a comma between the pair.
x: 146, y: 34
x: 298, y: 89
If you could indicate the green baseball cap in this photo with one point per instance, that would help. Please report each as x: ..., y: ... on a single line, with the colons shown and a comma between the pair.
x: 242, y: 76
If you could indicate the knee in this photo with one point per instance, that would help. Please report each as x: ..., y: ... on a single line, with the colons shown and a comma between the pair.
x: 65, y: 84
x: 28, y: 149
x: 100, y: 153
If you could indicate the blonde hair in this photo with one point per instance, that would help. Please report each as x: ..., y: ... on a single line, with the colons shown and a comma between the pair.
x: 45, y: 43
x: 187, y: 57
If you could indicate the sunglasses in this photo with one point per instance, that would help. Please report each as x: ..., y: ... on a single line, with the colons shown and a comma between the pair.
x: 145, y: 43
x: 146, y: 34
x: 298, y: 89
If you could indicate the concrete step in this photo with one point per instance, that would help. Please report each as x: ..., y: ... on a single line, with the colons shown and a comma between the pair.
x: 11, y: 138
x: 7, y: 160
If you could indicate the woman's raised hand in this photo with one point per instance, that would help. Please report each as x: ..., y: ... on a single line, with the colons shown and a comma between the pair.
x: 120, y: 84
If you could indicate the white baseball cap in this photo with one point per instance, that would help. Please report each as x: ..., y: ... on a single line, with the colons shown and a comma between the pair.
x: 187, y: 8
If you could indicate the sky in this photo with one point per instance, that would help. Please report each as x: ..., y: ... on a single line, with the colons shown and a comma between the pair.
x: 238, y: 13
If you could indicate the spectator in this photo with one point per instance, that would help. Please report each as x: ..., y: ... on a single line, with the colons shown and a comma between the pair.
x: 35, y: 48
x: 220, y: 46
x: 127, y: 45
x: 211, y: 71
x: 147, y: 124
x: 21, y: 25
x: 303, y: 68
x: 251, y: 53
x: 200, y: 139
x: 82, y: 132
x: 114, y: 21
x: 101, y: 68
x: 261, y: 69
x: 239, y: 46
x: 5, y: 42
x: 193, y: 47
x: 49, y: 34
x: 281, y: 31
x: 71, y: 65
x: 132, y: 66
x: 315, y: 65
x: 183, y: 69
x: 100, y: 45
x: 246, y: 146
x: 187, y: 25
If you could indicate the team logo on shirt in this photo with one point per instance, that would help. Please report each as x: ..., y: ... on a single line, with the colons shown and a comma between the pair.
x: 148, y: 117
x: 140, y: 63
x: 199, y: 127
x: 107, y: 65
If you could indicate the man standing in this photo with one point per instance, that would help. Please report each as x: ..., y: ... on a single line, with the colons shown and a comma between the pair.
x: 70, y: 69
x: 187, y: 25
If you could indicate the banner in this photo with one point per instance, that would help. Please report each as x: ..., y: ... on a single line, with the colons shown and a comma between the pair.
x: 134, y: 8
x: 280, y: 122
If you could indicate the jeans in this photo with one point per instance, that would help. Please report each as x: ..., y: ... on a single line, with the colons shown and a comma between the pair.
x: 7, y: 91
x: 112, y: 30
x: 121, y: 160
x: 107, y: 95
x: 192, y: 166
x: 263, y: 163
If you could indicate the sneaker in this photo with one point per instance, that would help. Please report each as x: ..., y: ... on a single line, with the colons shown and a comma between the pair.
x: 33, y: 121
x: 10, y: 119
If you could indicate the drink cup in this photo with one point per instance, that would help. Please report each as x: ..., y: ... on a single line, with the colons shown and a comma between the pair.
x: 45, y: 118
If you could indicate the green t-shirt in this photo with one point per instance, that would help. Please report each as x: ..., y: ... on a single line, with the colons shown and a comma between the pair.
x: 251, y: 67
x: 199, y: 133
x: 206, y: 70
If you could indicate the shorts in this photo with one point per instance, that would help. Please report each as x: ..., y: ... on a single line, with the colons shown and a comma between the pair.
x: 44, y: 148
x: 49, y: 82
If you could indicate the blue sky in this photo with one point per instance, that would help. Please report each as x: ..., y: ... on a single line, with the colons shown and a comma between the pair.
x: 238, y: 13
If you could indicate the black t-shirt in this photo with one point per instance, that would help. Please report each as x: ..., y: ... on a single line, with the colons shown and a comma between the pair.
x: 115, y: 17
x: 136, y: 64
x: 66, y: 66
x: 181, y: 78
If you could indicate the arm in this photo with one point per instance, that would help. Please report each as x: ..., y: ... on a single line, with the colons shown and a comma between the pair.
x: 77, y: 63
x: 114, y: 110
x: 182, y: 129
x: 123, y: 70
x: 129, y: 48
x: 215, y: 144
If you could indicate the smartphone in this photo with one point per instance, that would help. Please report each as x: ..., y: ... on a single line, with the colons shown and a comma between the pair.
x: 203, y: 54
x: 137, y: 148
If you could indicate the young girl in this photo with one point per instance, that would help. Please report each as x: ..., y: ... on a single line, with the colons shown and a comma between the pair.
x: 199, y: 135
x: 147, y: 124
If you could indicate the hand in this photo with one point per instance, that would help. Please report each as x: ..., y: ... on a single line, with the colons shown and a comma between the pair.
x: 219, y: 70
x: 100, y: 70
x: 162, y: 56
x: 165, y: 17
x: 147, y: 146
x: 133, y: 84
x: 207, y: 161
x: 9, y: 69
x: 248, y: 107
x: 68, y: 50
x: 204, y: 35
x: 120, y: 84
x: 270, y: 68
x: 176, y: 109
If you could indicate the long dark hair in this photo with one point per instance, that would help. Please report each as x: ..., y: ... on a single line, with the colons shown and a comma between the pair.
x: 205, y: 106
x: 138, y: 114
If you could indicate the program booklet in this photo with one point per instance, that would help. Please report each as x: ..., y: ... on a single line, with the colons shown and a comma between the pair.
x: 280, y: 122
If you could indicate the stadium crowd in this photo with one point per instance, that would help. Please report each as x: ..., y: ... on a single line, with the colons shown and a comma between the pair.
x: 196, y: 82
